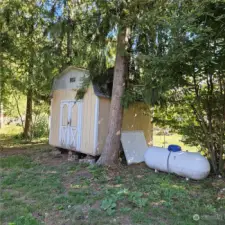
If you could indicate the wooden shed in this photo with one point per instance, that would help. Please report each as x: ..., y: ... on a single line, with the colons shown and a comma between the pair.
x: 82, y: 125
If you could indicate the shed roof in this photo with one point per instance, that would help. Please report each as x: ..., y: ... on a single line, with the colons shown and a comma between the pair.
x: 71, y: 68
x: 100, y: 90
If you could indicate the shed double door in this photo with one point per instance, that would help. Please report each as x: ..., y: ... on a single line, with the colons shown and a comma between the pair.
x: 70, y: 124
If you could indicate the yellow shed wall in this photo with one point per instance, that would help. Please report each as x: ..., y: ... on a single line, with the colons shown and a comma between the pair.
x: 134, y: 118
x: 88, y: 122
x: 57, y: 97
x: 137, y: 117
x: 88, y: 114
x: 104, y: 108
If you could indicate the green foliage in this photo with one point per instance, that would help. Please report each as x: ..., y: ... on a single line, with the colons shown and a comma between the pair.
x: 40, y: 127
x: 24, y: 24
x: 137, y: 199
x: 131, y: 95
x: 47, y: 43
x: 98, y: 173
x: 25, y: 220
x: 125, y: 209
x: 184, y: 75
x: 84, y: 87
x: 16, y: 162
x: 80, y: 93
x: 78, y: 197
x: 14, y: 99
x: 109, y: 205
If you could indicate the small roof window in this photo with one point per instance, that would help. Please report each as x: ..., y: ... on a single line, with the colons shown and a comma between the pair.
x: 72, y: 79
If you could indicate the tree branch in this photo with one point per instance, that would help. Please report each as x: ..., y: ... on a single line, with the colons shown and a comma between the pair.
x: 18, y: 109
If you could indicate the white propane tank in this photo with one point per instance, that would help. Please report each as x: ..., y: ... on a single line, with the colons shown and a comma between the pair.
x: 186, y: 164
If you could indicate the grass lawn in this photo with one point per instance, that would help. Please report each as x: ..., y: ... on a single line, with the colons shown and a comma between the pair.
x: 158, y: 140
x: 40, y: 186
x: 10, y: 136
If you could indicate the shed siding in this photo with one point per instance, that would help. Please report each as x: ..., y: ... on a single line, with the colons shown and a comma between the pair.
x: 87, y: 137
x: 65, y: 82
x: 104, y: 108
x: 57, y: 97
x: 133, y: 119
x: 136, y: 118
x: 87, y: 134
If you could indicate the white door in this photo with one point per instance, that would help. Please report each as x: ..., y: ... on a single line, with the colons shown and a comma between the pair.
x: 70, y: 124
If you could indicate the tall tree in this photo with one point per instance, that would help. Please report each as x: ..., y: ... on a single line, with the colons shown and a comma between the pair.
x: 24, y: 23
x: 117, y: 18
x: 112, y: 144
x: 66, y: 22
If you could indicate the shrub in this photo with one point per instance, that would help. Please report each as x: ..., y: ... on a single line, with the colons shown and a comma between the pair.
x: 40, y: 127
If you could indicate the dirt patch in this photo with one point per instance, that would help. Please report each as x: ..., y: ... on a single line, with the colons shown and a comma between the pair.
x: 218, y: 183
x: 78, y: 216
x: 37, y: 215
x: 125, y: 220
x: 96, y: 205
x: 158, y: 204
x: 55, y: 218
x: 84, y: 173
x: 52, y: 157
x: 13, y: 151
x: 25, y: 150
x: 49, y: 159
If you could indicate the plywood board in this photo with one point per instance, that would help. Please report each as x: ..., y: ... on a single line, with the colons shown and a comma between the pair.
x: 134, y: 146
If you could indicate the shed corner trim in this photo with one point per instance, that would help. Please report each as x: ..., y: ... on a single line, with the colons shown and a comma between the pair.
x: 96, y: 125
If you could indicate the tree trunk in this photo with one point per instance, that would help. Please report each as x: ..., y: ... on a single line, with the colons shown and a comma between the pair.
x: 69, y: 45
x: 69, y: 38
x: 18, y: 109
x: 1, y: 102
x: 1, y: 115
x: 110, y: 154
x: 28, y: 120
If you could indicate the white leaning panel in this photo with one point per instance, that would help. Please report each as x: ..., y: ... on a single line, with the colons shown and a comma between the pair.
x: 134, y: 146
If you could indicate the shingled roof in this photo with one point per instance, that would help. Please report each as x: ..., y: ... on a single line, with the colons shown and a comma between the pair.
x: 103, y: 88
x: 104, y: 91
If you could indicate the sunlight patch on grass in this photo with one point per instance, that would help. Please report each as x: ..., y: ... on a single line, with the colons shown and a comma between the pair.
x: 11, y: 136
x: 10, y: 130
x: 158, y: 140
